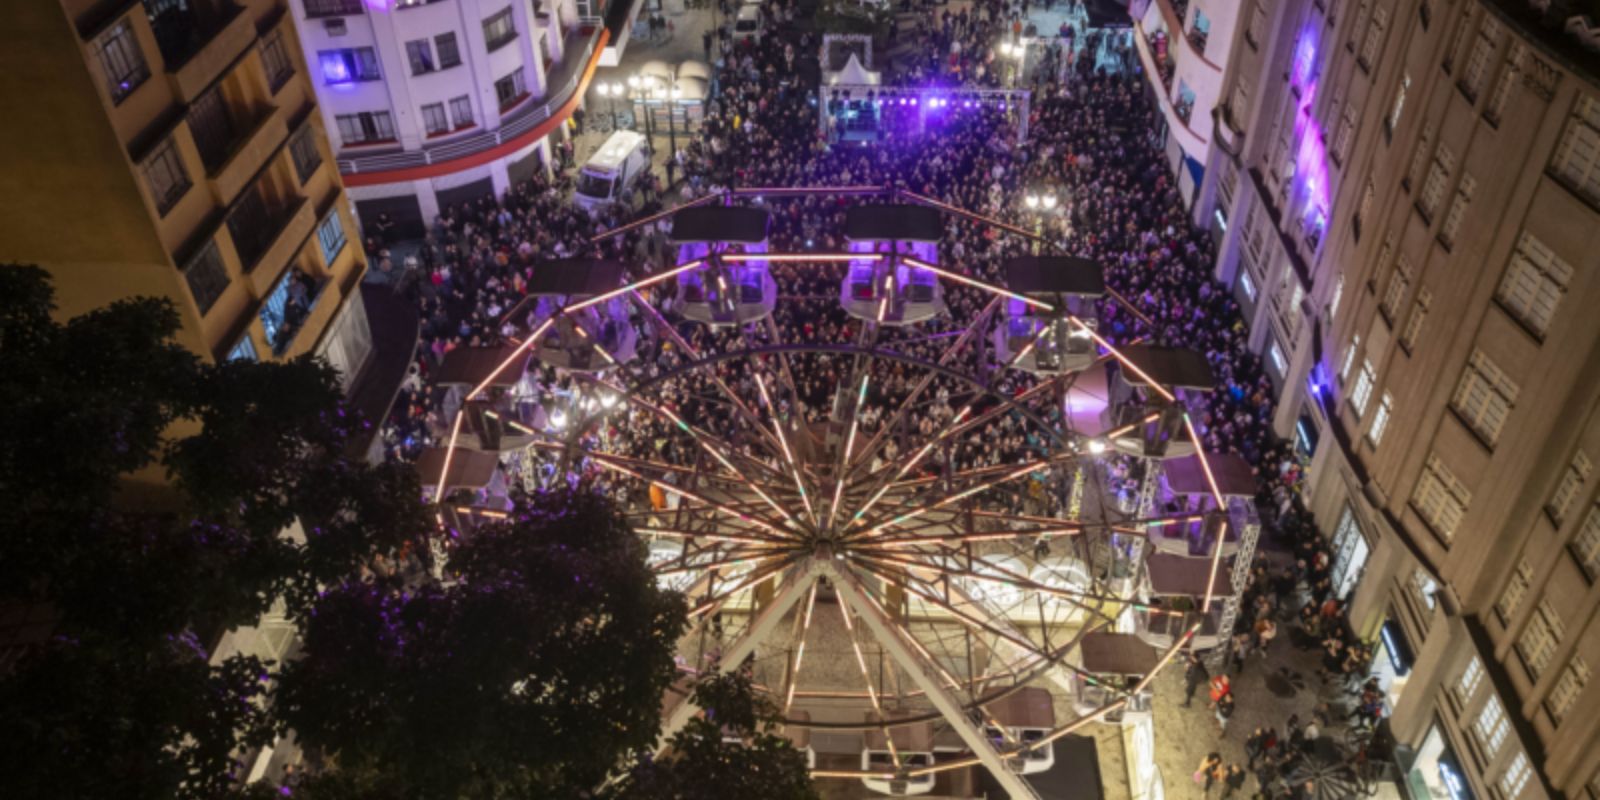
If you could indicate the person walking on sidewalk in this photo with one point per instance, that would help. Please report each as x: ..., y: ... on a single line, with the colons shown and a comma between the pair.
x: 1209, y: 773
x: 1254, y: 746
x: 1194, y: 675
x: 1233, y: 781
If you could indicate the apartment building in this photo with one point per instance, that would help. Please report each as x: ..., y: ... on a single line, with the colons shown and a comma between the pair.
x: 1407, y: 198
x: 432, y: 103
x: 171, y: 148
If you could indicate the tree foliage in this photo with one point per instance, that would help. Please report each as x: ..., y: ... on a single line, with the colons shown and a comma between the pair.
x: 730, y: 751
x: 532, y: 674
x: 144, y: 499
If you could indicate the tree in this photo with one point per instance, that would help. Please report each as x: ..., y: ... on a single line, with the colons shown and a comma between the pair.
x: 704, y: 763
x: 533, y: 673
x: 144, y: 496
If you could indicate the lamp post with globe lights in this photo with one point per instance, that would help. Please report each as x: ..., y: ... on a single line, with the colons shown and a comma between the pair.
x: 1040, y: 204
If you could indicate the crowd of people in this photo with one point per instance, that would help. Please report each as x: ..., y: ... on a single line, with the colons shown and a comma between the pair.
x: 1091, y: 140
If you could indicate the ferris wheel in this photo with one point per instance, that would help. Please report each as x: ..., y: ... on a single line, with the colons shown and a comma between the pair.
x: 936, y: 542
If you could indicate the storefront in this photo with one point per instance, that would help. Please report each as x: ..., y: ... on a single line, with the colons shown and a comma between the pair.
x: 1434, y: 771
x: 1391, y: 663
x: 1350, y: 552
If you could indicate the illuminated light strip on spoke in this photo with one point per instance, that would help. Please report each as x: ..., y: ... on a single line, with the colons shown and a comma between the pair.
x: 909, y: 465
x: 715, y: 453
x: 736, y: 258
x: 849, y: 446
x: 449, y: 453
x: 667, y: 487
x: 749, y: 581
x: 1154, y: 385
x: 532, y: 339
x: 672, y: 533
x: 959, y: 496
x: 866, y: 676
x: 800, y: 649
x: 656, y: 278
x: 1216, y: 494
x: 794, y: 469
x: 883, y: 302
x: 1115, y: 432
x: 976, y: 284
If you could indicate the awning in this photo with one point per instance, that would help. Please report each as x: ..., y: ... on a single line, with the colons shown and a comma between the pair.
x: 470, y: 366
x: 1117, y: 654
x: 1173, y: 575
x: 1233, y: 474
x: 469, y: 469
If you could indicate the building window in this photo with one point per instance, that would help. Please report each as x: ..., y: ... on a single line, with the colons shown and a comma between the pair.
x: 1505, y: 84
x: 1444, y: 162
x: 275, y: 60
x: 1395, y: 294
x: 1374, y: 37
x: 1484, y: 397
x: 1238, y: 105
x: 303, y: 149
x: 1419, y: 313
x: 420, y: 52
x: 1491, y: 727
x: 330, y: 234
x: 1458, y: 210
x: 1346, y: 134
x: 332, y: 8
x: 1516, y: 589
x: 1392, y: 122
x: 1478, y: 63
x: 207, y: 277
x: 1577, y: 159
x: 1425, y: 588
x: 1567, y: 688
x: 245, y: 350
x: 1382, y: 261
x: 365, y: 127
x: 1358, y: 24
x: 212, y: 128
x: 461, y: 111
x: 1255, y: 244
x: 1471, y: 678
x: 1363, y: 390
x: 1456, y: 39
x: 250, y: 223
x: 1572, y: 481
x: 434, y: 120
x: 1286, y: 302
x: 1539, y: 640
x: 1280, y: 364
x: 1248, y: 285
x: 121, y: 60
x: 510, y: 89
x: 165, y: 175
x: 1533, y: 284
x: 1349, y: 356
x: 1419, y: 159
x: 498, y: 30
x: 1440, y: 499
x: 1586, y: 546
x: 1380, y: 420
x: 1338, y: 295
x: 1516, y: 778
x: 349, y: 65
x: 449, y: 54
x: 1258, y: 24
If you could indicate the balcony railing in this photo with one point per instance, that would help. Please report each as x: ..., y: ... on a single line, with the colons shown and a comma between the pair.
x: 333, y: 8
x: 511, y: 127
x: 283, y: 320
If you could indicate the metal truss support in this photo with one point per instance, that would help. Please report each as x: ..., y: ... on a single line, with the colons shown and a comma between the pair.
x: 799, y: 581
x: 884, y: 629
x: 1243, y: 518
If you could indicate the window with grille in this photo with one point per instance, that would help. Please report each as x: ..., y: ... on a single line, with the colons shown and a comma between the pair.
x: 1258, y: 23
x: 1256, y: 244
x: 365, y: 127
x: 449, y: 54
x: 165, y: 175
x: 330, y: 235
x: 1533, y: 284
x: 1484, y: 396
x: 275, y: 60
x: 1539, y: 640
x: 1380, y: 420
x: 1478, y: 62
x: 1456, y: 39
x: 1419, y: 314
x: 1516, y: 778
x: 245, y: 350
x: 1392, y: 122
x: 1471, y: 677
x: 1425, y: 588
x: 1287, y: 302
x: 251, y: 225
x: 434, y: 120
x: 1567, y: 688
x: 1419, y: 159
x: 1586, y: 545
x: 1384, y: 253
x: 1440, y: 499
x: 1491, y: 726
x: 1458, y: 210
x: 1359, y: 23
x: 1364, y: 210
x: 1238, y: 104
x: 1363, y: 389
x: 1229, y: 183
x: 212, y: 127
x: 498, y: 30
x: 1444, y: 162
x: 303, y: 149
x: 1248, y: 285
x: 1516, y: 589
x: 207, y: 277
x: 349, y: 65
x: 1369, y: 45
x: 1347, y: 129
x: 1505, y: 84
x: 420, y: 54
x: 461, y: 111
x: 1577, y: 159
x: 1399, y: 284
x: 1572, y: 480
x: 1349, y: 356
x: 510, y: 89
x: 1338, y: 294
x: 121, y: 60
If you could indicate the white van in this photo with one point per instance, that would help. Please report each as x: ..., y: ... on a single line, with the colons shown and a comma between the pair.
x: 612, y: 170
x: 748, y: 24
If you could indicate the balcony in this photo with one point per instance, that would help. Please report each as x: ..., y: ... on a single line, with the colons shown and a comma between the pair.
x: 249, y: 152
x: 292, y: 303
x: 316, y: 9
x: 197, y: 44
x: 281, y: 236
x: 515, y: 128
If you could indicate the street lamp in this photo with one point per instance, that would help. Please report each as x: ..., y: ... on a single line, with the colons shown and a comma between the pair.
x: 611, y: 91
x: 1016, y: 52
x: 1040, y: 204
